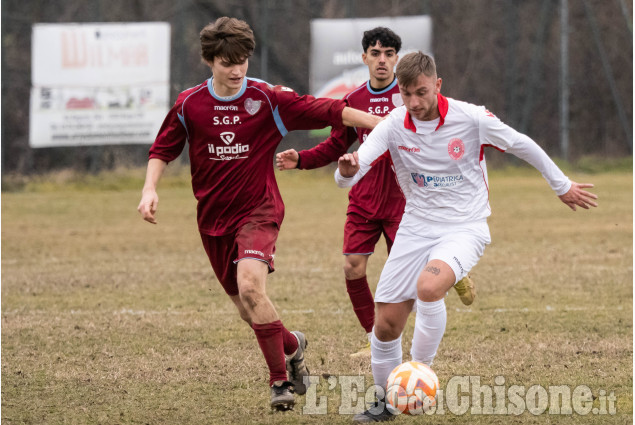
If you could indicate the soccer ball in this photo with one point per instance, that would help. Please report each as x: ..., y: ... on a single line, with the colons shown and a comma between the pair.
x: 411, y: 389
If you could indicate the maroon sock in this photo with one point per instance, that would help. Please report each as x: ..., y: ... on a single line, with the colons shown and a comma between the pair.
x: 363, y: 303
x: 290, y: 341
x: 270, y: 337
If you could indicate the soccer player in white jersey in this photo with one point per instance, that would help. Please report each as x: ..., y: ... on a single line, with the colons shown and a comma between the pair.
x: 376, y: 203
x: 436, y: 144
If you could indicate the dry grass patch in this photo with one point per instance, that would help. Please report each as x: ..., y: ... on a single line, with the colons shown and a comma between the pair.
x: 106, y: 319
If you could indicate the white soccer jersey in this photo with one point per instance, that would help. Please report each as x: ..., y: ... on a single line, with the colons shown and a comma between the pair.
x: 441, y: 170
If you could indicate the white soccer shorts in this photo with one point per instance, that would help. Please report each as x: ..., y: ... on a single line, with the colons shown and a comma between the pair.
x: 460, y: 245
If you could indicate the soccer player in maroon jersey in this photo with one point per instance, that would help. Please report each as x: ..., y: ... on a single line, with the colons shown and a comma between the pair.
x: 233, y: 125
x: 376, y: 203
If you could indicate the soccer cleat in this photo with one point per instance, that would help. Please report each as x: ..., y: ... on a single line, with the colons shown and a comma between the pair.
x: 466, y: 290
x: 375, y: 413
x: 363, y: 352
x: 295, y: 364
x: 282, y: 396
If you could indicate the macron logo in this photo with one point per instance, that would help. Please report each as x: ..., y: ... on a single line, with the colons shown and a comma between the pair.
x: 411, y: 150
x: 226, y: 108
x: 253, y: 251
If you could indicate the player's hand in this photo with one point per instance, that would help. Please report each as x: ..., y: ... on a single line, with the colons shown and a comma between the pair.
x: 148, y: 205
x: 287, y: 160
x: 348, y: 164
x: 578, y: 196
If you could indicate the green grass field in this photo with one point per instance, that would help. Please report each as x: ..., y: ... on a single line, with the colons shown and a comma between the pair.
x: 109, y: 320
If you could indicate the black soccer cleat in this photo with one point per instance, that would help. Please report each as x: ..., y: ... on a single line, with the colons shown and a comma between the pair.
x: 295, y: 364
x: 378, y: 412
x: 282, y: 398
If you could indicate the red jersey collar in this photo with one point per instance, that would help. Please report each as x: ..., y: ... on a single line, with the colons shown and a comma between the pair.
x: 442, y: 105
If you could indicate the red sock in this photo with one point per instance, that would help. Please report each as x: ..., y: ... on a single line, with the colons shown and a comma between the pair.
x: 270, y: 339
x: 290, y: 341
x: 363, y: 302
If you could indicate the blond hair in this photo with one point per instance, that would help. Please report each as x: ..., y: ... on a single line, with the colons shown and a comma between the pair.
x: 412, y: 65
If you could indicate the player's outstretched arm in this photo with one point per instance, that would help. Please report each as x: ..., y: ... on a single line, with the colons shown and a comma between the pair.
x: 578, y: 196
x: 352, y: 117
x: 149, y: 198
x: 287, y: 160
x: 348, y: 164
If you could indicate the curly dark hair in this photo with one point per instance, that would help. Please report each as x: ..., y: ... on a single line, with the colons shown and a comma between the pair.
x: 384, y: 35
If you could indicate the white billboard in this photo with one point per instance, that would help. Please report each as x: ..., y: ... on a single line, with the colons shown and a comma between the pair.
x: 95, y: 84
x: 336, y: 49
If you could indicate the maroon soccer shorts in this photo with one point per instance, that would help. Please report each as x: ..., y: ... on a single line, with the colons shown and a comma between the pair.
x: 361, y: 234
x: 253, y: 240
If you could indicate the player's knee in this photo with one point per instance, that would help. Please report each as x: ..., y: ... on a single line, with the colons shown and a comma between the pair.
x: 386, y: 329
x: 250, y: 293
x: 354, y: 269
x: 429, y: 293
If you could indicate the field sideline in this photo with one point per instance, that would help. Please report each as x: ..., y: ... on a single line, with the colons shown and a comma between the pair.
x: 110, y: 320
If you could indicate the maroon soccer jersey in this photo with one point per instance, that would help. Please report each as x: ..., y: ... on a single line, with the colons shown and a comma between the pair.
x: 377, y: 195
x: 231, y: 146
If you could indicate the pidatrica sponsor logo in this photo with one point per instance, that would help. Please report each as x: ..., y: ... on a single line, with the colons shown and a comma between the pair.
x: 430, y: 180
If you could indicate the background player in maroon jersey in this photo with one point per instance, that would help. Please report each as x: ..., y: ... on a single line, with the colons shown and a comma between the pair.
x: 233, y: 125
x: 376, y: 203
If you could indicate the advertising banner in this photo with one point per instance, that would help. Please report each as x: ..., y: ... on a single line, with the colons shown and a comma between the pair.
x: 96, y: 84
x: 336, y: 49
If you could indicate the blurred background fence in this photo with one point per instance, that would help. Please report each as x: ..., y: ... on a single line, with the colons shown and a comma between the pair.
x: 505, y: 54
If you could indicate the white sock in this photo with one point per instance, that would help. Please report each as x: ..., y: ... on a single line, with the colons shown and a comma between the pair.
x: 384, y: 357
x: 429, y: 330
x: 370, y: 336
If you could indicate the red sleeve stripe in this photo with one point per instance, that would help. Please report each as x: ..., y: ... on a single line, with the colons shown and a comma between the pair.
x: 480, y: 164
x: 482, y: 154
x: 382, y: 156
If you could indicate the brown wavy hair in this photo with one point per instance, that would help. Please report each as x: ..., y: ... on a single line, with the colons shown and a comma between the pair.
x: 228, y: 38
